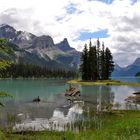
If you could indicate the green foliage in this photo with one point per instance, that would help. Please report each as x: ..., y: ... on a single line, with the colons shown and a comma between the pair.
x: 4, y: 94
x: 92, y: 64
x: 5, y: 64
x: 2, y: 136
x: 109, y: 64
x: 115, y: 125
x: 9, y: 69
x: 3, y: 41
x: 97, y: 63
x: 4, y: 47
x: 84, y: 65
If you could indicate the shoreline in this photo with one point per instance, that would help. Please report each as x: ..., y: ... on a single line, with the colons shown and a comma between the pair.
x: 103, y: 82
x: 117, y: 124
x: 33, y: 78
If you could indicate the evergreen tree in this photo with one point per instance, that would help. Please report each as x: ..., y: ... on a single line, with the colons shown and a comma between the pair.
x: 109, y: 64
x: 89, y: 61
x: 103, y: 67
x: 98, y: 59
x: 84, y: 66
x: 92, y: 64
x: 97, y: 63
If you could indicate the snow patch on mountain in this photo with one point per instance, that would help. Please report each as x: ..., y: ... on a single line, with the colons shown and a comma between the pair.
x: 24, y: 36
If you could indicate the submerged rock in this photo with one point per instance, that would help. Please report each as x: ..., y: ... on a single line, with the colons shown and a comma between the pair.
x: 72, y: 91
x: 134, y: 99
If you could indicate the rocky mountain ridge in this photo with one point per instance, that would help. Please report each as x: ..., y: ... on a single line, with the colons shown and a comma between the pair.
x: 129, y: 70
x: 42, y: 48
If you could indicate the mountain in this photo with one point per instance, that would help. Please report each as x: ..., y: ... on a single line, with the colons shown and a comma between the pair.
x: 12, y: 52
x: 41, y: 49
x: 71, y: 56
x: 130, y: 70
x: 64, y: 45
x: 20, y: 38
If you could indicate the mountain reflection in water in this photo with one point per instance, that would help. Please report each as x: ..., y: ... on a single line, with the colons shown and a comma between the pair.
x: 58, y: 121
x: 55, y: 112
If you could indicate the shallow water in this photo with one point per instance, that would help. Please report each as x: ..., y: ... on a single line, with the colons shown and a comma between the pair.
x: 55, y: 110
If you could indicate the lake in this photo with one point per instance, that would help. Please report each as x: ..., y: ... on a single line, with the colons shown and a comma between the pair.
x: 127, y: 79
x: 55, y: 110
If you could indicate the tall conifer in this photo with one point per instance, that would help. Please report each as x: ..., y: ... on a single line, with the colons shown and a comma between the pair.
x: 84, y: 66
x: 98, y: 59
x: 109, y: 63
x: 103, y: 62
x: 96, y: 63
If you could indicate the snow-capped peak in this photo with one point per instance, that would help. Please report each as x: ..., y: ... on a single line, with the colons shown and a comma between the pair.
x: 7, y: 28
x: 24, y: 36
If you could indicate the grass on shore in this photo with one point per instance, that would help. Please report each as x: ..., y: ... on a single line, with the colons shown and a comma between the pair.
x: 103, y: 82
x: 116, y: 125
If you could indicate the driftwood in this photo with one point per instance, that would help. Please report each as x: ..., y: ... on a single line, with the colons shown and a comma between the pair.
x: 134, y: 99
x: 72, y: 91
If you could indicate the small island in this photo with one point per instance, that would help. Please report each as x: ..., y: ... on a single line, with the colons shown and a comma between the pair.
x: 103, y: 82
x: 97, y: 66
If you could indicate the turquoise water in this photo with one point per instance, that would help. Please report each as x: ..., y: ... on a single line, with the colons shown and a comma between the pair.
x: 51, y: 91
x: 55, y: 106
x: 26, y: 90
x: 127, y: 79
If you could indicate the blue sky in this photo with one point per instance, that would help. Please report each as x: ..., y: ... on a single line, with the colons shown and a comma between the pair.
x: 85, y: 35
x: 105, y: 1
x: 71, y: 8
x: 116, y: 22
x: 101, y: 33
x: 94, y: 35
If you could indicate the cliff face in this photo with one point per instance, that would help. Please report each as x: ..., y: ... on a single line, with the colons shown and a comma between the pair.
x: 41, y: 49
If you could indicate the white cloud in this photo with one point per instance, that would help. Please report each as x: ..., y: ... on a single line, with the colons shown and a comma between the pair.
x: 121, y: 18
x: 124, y: 30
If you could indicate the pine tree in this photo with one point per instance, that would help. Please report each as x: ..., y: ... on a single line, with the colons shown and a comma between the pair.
x: 84, y: 66
x: 103, y: 67
x: 90, y: 61
x: 94, y: 65
x: 97, y: 64
x: 98, y: 59
x: 109, y: 63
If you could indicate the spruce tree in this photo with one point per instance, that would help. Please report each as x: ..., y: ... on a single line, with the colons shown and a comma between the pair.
x: 94, y: 64
x: 84, y: 66
x: 97, y: 63
x: 98, y: 59
x: 90, y: 61
x: 109, y: 64
x: 103, y: 67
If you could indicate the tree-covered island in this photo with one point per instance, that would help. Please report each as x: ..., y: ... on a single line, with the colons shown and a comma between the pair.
x: 96, y: 62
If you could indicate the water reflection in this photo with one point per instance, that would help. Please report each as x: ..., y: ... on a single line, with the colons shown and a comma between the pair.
x: 66, y: 111
x: 57, y: 112
x: 58, y: 121
x: 102, y: 96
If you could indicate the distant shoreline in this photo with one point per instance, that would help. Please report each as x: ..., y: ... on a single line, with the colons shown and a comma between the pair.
x: 103, y: 82
x: 32, y: 78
